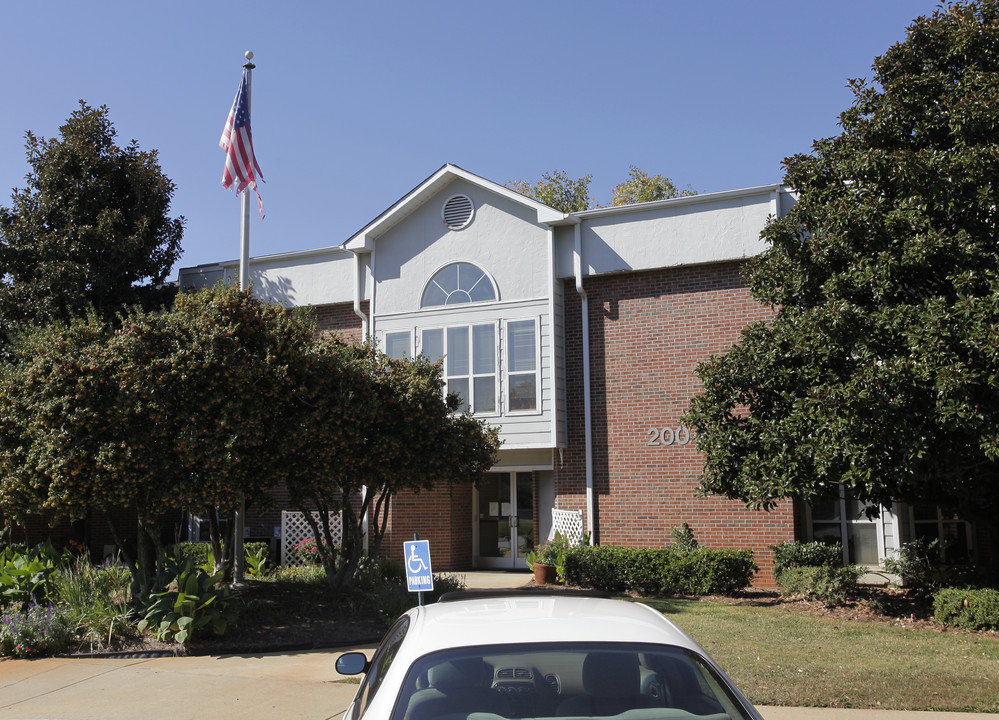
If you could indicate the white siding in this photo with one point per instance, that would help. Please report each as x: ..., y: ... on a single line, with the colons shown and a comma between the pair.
x: 504, y: 240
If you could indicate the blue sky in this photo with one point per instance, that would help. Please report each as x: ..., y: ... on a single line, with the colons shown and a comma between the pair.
x: 356, y: 103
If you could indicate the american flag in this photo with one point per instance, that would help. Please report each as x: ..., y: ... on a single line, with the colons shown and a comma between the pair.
x: 237, y: 141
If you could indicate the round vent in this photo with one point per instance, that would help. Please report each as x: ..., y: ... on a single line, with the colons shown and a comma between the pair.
x: 457, y: 212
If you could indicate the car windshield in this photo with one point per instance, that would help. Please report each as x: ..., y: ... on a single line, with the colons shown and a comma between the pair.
x: 566, y: 680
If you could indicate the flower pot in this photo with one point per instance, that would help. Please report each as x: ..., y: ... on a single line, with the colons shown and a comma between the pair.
x: 544, y: 574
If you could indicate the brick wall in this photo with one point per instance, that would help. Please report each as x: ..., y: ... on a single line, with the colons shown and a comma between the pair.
x: 340, y: 318
x: 648, y: 332
x: 443, y: 516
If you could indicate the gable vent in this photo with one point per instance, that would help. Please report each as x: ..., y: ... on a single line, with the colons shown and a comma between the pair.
x: 457, y: 212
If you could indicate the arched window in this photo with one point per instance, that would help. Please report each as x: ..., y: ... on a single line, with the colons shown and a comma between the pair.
x: 456, y: 284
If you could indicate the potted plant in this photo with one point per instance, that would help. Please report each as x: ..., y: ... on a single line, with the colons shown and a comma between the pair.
x: 548, y: 560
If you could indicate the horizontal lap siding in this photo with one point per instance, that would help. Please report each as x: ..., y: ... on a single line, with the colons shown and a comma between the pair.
x: 648, y: 332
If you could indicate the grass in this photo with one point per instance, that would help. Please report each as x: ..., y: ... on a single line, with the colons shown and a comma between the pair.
x: 781, y: 658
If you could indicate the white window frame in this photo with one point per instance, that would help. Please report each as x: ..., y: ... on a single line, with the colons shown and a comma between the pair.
x: 472, y: 375
x: 844, y: 527
x: 536, y: 320
x: 409, y: 337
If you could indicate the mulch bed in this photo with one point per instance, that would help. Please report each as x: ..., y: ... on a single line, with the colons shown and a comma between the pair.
x: 296, y: 616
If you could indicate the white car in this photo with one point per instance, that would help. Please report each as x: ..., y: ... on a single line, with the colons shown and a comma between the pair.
x: 492, y: 656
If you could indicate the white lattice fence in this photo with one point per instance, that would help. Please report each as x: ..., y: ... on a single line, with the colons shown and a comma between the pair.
x: 569, y: 523
x: 294, y: 529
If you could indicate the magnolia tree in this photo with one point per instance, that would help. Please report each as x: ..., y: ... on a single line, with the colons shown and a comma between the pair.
x: 91, y: 229
x: 879, y: 368
x: 374, y: 426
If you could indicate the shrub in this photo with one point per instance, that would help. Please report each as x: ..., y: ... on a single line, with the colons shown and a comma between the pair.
x: 308, y: 574
x: 967, y: 608
x: 193, y: 602
x: 393, y: 598
x: 812, y: 554
x: 683, y: 537
x: 598, y: 567
x: 307, y: 552
x: 831, y: 585
x: 26, y: 576
x: 35, y: 631
x: 660, y: 571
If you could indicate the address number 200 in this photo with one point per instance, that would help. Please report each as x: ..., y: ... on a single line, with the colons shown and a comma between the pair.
x: 660, y: 437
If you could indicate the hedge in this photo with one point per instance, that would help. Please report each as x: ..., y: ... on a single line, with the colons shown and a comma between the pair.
x: 660, y: 571
x: 832, y: 585
x: 795, y: 553
x: 967, y: 608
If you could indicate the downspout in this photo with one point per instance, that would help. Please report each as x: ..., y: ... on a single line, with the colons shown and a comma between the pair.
x: 577, y: 262
x: 358, y: 269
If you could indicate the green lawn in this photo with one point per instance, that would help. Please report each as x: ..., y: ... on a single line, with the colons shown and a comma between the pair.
x: 781, y: 658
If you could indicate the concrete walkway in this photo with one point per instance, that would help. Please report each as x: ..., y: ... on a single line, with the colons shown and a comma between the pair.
x: 268, y: 686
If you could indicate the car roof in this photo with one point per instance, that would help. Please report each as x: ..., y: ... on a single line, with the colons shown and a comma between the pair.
x: 538, y: 618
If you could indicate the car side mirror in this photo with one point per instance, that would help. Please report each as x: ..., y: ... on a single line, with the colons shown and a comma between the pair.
x: 352, y: 663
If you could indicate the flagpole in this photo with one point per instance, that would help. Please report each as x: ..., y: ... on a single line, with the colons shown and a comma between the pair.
x: 244, y: 251
x: 239, y: 519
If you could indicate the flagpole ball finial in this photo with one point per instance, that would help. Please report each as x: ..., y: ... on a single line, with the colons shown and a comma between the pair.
x: 248, y: 54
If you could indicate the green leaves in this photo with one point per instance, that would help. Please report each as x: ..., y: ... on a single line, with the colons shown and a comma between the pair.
x: 193, y: 603
x: 878, y: 367
x: 91, y: 228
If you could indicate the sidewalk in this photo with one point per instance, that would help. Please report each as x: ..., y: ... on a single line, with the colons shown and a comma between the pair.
x: 272, y: 686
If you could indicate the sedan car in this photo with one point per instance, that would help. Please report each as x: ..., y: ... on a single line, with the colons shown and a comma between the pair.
x: 529, y: 654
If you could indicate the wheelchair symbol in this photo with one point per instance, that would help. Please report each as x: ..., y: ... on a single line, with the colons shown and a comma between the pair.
x: 415, y: 562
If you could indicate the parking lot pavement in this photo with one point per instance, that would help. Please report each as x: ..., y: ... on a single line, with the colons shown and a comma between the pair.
x: 273, y: 686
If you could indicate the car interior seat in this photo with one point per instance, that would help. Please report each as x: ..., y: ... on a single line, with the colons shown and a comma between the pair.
x: 460, y: 687
x: 611, y: 685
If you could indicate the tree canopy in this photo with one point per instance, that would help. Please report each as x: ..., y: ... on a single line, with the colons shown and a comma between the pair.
x: 92, y: 227
x: 641, y: 187
x: 556, y: 189
x: 168, y: 411
x: 879, y: 367
x: 375, y: 426
x: 223, y: 395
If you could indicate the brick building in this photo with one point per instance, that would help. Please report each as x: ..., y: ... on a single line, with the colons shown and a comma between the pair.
x: 531, y: 307
x: 578, y: 336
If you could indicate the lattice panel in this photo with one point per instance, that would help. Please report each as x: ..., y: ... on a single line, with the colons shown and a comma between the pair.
x: 294, y: 529
x: 569, y: 523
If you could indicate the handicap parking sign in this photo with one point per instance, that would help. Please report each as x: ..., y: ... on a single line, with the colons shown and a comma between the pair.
x: 419, y: 577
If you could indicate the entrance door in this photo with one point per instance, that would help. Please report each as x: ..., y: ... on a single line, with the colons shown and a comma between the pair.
x: 506, y: 520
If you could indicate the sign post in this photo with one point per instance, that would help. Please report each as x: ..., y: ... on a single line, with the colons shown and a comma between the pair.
x: 419, y: 576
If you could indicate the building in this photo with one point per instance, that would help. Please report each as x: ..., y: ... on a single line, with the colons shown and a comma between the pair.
x: 578, y: 335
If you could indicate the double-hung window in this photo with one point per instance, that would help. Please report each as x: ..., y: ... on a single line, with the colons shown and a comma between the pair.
x: 522, y: 365
x: 469, y: 353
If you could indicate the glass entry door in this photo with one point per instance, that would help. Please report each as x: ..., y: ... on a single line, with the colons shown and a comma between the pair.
x: 505, y: 520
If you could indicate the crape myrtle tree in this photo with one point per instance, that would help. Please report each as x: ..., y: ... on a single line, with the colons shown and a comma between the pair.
x: 91, y: 229
x: 880, y: 367
x: 374, y: 426
x: 167, y: 411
